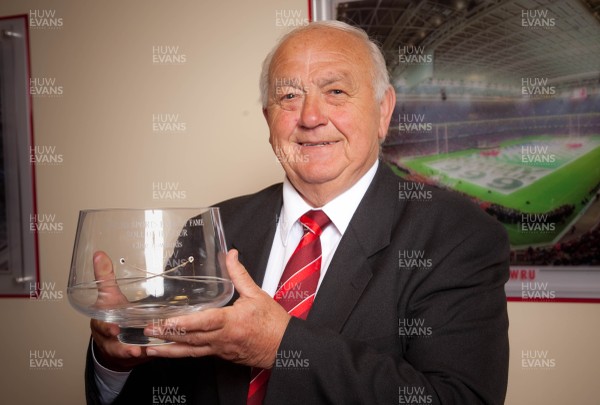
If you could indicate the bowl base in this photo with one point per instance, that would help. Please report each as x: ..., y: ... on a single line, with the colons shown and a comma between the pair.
x: 135, y: 336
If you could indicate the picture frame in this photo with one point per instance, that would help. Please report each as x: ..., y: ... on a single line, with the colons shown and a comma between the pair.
x: 489, y: 106
x: 19, y: 270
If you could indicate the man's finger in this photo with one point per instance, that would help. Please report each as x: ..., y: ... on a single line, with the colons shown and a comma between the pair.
x: 106, y: 329
x: 204, y: 321
x: 242, y: 281
x: 108, y: 289
x: 179, y: 350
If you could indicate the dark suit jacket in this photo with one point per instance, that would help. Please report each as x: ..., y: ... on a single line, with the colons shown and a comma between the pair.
x: 384, y: 328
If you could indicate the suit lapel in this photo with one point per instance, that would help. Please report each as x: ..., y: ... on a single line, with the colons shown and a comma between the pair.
x: 350, y: 270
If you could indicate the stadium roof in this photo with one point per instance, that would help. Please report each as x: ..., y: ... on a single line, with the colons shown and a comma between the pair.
x: 488, y: 41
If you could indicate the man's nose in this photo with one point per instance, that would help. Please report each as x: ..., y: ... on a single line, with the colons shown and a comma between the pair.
x: 313, y: 112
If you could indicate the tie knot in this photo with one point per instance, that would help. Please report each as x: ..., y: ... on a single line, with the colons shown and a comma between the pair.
x: 315, y: 221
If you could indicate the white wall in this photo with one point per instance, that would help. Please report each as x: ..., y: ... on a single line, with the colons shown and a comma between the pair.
x: 102, y: 126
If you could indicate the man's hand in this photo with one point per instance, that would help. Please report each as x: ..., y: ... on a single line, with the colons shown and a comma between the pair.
x: 249, y: 332
x: 109, y: 352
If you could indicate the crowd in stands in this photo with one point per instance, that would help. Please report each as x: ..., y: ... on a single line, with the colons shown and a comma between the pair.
x: 420, y: 178
x: 595, y: 189
x: 396, y: 153
x: 466, y: 135
x: 594, y: 193
x: 463, y: 110
x: 583, y: 251
x: 461, y: 124
x: 513, y: 216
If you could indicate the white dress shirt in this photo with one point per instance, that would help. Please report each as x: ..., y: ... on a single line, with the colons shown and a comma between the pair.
x: 287, y: 236
x: 289, y: 230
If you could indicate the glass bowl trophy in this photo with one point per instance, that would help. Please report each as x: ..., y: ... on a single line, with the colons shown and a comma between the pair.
x: 165, y: 262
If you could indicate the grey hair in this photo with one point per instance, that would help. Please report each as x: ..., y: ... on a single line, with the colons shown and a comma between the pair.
x: 380, y: 75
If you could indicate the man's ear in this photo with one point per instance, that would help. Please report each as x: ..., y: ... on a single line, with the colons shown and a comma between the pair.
x: 386, y: 109
x: 266, y: 115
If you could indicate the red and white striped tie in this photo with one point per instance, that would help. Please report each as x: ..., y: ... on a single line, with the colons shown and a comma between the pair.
x: 297, y: 287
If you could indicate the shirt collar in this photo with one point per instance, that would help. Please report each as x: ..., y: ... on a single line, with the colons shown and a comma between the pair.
x: 340, y: 210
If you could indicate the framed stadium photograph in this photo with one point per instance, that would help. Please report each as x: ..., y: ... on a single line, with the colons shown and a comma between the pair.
x: 19, y: 271
x: 500, y: 101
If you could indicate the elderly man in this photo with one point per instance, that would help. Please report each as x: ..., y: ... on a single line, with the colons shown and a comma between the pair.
x: 330, y: 248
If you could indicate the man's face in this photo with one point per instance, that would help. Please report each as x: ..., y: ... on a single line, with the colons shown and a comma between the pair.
x: 325, y: 123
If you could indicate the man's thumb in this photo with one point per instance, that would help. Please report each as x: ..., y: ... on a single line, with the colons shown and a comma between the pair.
x: 242, y: 281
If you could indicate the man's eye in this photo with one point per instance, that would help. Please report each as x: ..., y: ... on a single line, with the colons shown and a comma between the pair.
x: 337, y: 91
x: 289, y: 96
